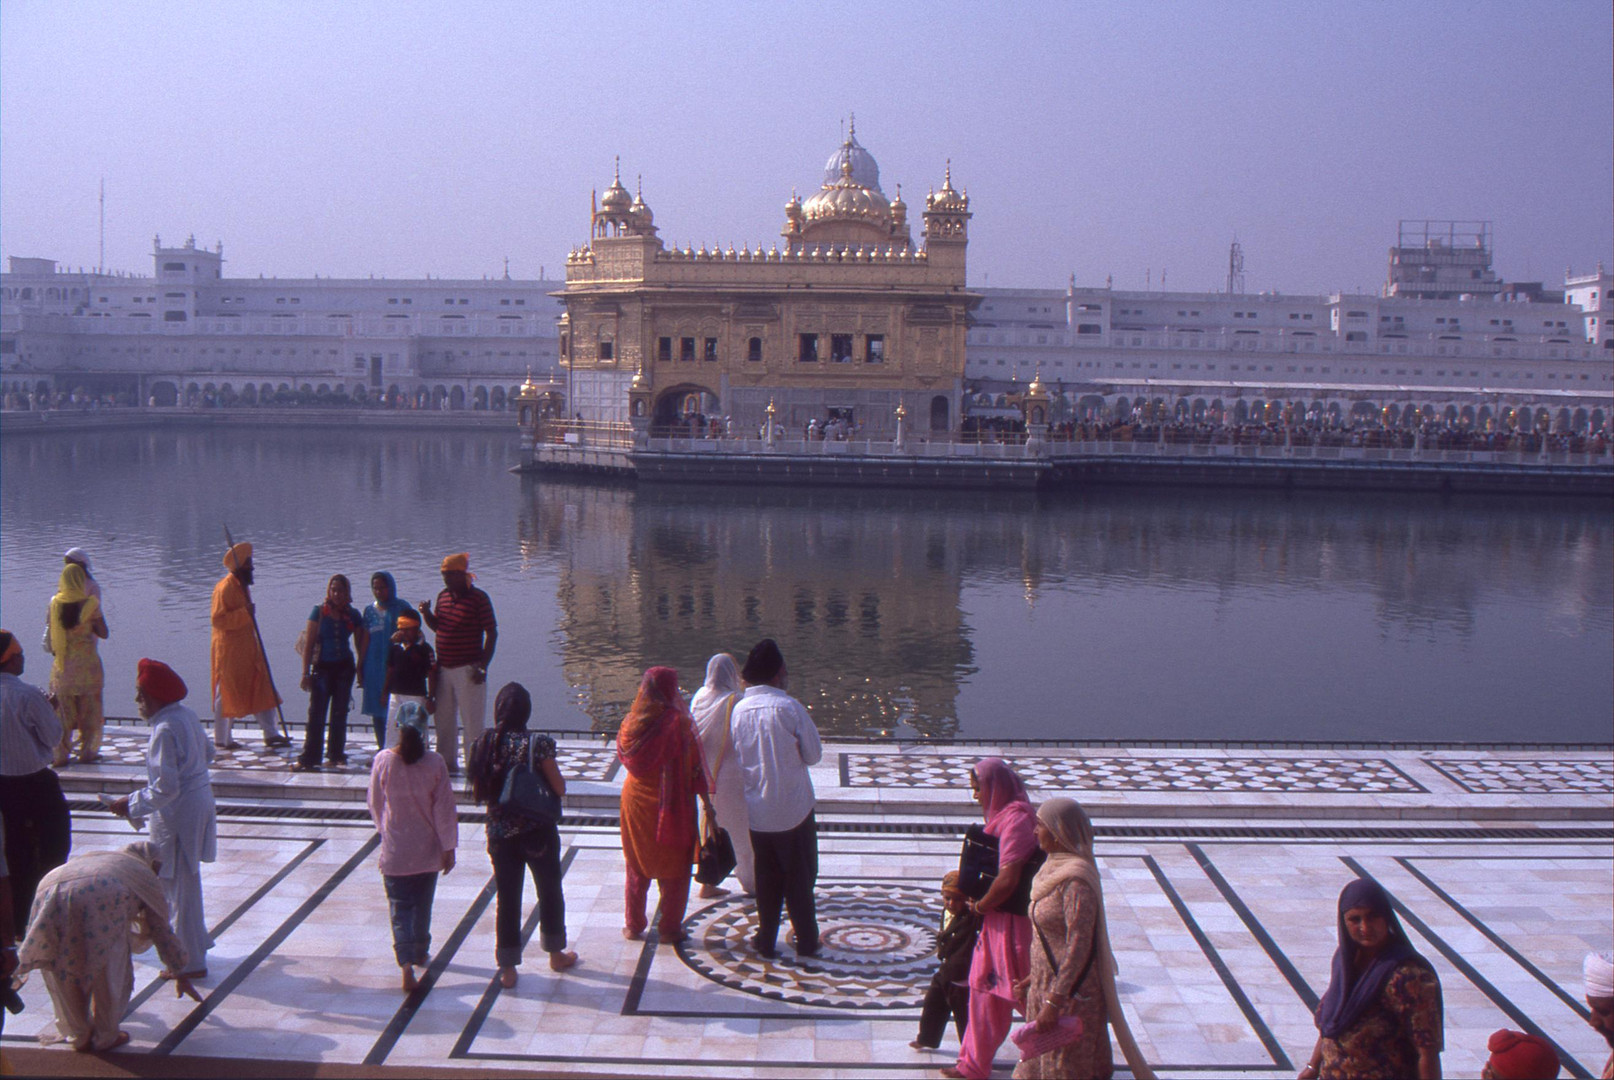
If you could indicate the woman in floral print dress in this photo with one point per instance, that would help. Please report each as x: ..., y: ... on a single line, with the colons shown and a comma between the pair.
x: 1381, y: 1016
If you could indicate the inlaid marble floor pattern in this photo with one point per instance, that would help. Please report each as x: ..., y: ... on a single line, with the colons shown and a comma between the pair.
x: 1223, y: 946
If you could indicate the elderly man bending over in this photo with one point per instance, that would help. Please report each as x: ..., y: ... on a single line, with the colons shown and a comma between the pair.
x: 178, y: 798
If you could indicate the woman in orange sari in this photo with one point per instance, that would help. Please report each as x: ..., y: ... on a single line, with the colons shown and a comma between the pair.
x: 658, y: 746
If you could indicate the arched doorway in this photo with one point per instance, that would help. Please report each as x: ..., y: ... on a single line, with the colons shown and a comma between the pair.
x: 680, y: 411
x: 940, y: 414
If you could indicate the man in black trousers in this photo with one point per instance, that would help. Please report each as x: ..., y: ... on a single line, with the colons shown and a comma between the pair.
x: 38, y: 833
x: 775, y: 740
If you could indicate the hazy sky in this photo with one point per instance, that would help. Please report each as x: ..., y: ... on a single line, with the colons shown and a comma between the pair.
x: 402, y: 139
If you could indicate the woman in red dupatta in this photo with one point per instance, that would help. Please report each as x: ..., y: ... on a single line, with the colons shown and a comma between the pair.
x: 658, y: 746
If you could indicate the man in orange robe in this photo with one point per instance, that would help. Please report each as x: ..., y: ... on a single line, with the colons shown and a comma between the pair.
x: 241, y: 685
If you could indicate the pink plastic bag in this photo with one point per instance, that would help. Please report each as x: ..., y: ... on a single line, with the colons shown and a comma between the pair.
x: 1034, y: 1043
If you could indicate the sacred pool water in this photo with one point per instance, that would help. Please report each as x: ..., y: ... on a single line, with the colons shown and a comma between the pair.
x: 1109, y: 614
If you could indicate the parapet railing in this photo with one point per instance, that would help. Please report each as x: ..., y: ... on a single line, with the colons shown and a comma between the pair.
x: 1056, y: 451
x: 1080, y: 449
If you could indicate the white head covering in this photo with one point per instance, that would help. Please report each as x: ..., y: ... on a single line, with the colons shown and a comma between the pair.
x: 1599, y: 972
x: 78, y: 555
x: 710, y: 709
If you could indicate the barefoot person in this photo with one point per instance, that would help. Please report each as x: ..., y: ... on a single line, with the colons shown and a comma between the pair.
x: 240, y: 677
x: 517, y: 844
x: 412, y: 805
x: 711, y: 707
x: 659, y: 749
x: 178, y: 797
x: 73, y: 624
x: 92, y: 914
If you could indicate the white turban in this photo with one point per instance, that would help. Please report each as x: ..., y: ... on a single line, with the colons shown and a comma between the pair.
x: 78, y: 555
x: 1599, y: 971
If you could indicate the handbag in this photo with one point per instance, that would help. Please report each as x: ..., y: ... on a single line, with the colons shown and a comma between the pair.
x: 715, y: 860
x: 527, y: 795
x: 978, y: 868
x: 1033, y: 1043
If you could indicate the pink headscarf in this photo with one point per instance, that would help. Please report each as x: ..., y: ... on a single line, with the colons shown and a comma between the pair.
x: 1008, y: 810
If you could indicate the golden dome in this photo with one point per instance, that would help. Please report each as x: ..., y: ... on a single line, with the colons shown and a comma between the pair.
x: 947, y: 200
x: 616, y: 198
x: 846, y: 198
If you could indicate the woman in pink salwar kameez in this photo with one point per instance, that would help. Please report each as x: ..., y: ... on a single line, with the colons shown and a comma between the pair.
x: 1003, y: 951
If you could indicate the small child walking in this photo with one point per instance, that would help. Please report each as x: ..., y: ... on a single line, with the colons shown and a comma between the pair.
x: 411, y: 672
x: 949, y: 990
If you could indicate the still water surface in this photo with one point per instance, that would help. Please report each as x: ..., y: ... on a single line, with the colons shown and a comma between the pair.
x: 1154, y: 614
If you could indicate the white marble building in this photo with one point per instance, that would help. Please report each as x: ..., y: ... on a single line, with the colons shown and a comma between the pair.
x: 188, y: 330
x: 1515, y: 347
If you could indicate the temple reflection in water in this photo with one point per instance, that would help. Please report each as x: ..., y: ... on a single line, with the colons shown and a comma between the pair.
x: 1105, y: 614
x: 863, y: 602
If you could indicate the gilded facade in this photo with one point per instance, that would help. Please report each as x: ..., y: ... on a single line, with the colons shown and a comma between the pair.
x: 847, y: 316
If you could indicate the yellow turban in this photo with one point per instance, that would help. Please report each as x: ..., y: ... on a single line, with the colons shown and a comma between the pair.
x: 460, y: 562
x: 238, y: 556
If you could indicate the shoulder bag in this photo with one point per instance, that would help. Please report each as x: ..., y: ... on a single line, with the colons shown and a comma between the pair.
x: 1033, y: 1043
x: 716, y: 860
x: 526, y: 795
x: 978, y: 868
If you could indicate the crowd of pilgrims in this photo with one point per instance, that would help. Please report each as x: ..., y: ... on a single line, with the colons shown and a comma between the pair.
x: 717, y: 787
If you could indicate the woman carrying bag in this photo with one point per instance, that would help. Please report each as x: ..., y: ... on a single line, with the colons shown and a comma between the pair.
x: 712, y: 706
x: 517, y: 842
x: 1072, y: 967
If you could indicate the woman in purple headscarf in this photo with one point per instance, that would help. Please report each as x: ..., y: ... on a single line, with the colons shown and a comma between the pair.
x: 1002, y: 954
x: 1381, y: 1014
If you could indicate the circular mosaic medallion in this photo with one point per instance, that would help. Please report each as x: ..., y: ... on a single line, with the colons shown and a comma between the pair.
x: 877, y: 948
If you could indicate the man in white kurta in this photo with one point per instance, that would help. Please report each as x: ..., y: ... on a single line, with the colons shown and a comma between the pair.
x: 178, y: 798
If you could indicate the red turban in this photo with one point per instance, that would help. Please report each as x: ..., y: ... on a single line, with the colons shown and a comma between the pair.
x: 1517, y: 1056
x: 161, y: 685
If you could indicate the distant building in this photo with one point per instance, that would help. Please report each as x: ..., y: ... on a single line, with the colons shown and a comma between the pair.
x: 1497, y: 352
x: 847, y: 318
x: 188, y: 330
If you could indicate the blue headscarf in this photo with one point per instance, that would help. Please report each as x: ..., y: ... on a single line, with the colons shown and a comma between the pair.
x: 1350, y: 995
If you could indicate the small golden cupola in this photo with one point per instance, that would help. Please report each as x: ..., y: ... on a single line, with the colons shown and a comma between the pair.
x: 644, y: 222
x: 946, y: 211
x: 615, y: 215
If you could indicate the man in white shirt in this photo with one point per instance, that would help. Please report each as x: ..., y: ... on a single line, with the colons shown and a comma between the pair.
x: 38, y: 832
x: 775, y: 741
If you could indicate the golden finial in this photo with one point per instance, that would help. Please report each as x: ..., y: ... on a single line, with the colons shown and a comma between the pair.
x: 616, y: 170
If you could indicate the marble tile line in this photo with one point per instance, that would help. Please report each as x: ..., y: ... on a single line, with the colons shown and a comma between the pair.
x: 406, y: 1012
x: 484, y: 1006
x: 1279, y: 958
x: 1234, y: 990
x: 1496, y: 939
x: 216, y: 931
x: 195, y: 1017
x: 1480, y: 982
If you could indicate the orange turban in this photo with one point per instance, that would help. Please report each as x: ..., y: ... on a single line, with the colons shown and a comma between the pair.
x: 238, y: 556
x: 460, y: 562
x: 409, y: 621
x: 159, y: 682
